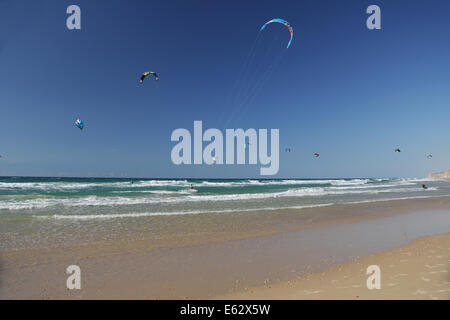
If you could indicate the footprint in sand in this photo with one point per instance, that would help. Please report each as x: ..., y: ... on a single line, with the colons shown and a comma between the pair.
x: 443, y: 290
x: 400, y: 275
x: 307, y: 292
x: 441, y: 271
x: 420, y: 292
x: 392, y: 284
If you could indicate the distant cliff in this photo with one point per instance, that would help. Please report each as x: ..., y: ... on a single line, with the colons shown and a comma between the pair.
x: 443, y: 174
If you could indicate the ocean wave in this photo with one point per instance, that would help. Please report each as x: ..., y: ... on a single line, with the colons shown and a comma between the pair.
x: 85, y: 185
x: 164, y: 183
x: 261, y: 209
x: 142, y: 184
x: 160, y: 192
x: 188, y: 197
x: 169, y: 213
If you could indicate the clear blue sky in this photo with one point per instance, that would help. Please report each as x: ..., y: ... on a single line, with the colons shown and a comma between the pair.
x: 349, y: 93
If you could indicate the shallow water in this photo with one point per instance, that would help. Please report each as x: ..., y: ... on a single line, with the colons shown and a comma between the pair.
x: 34, y: 211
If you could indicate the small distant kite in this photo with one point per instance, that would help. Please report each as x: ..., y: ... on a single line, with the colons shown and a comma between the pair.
x: 145, y: 74
x: 283, y: 22
x: 429, y: 156
x: 316, y: 155
x: 288, y: 150
x: 79, y: 124
x: 397, y: 150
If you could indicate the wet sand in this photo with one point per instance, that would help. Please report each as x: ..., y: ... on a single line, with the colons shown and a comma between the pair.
x: 418, y: 270
x: 223, y: 255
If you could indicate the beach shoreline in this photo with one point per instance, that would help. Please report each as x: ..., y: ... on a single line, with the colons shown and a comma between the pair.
x: 227, y: 253
x: 418, y: 270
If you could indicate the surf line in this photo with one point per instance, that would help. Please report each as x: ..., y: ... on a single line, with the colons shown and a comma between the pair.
x: 213, y: 153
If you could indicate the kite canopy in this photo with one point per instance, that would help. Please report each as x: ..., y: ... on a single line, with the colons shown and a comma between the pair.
x: 398, y: 150
x: 316, y: 155
x: 285, y: 23
x: 145, y: 74
x: 430, y: 156
x: 79, y: 124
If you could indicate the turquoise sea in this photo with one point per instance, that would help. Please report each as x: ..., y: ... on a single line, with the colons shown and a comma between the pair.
x: 33, y: 208
x: 103, y: 198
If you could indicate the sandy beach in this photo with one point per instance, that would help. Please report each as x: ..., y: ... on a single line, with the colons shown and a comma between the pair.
x: 311, y: 253
x: 418, y: 270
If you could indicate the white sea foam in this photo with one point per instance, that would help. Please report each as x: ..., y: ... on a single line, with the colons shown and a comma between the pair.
x: 139, y: 184
x: 149, y: 214
x: 170, y: 213
x: 84, y: 185
x: 186, y: 197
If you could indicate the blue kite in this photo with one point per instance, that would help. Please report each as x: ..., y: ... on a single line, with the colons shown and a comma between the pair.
x: 79, y: 124
x: 283, y: 22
